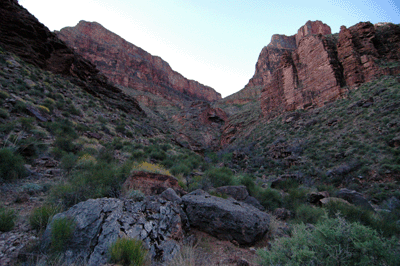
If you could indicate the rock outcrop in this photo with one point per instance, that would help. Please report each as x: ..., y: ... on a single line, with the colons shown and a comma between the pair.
x: 199, y: 126
x: 130, y: 66
x: 21, y: 33
x: 313, y: 66
x: 224, y: 218
x: 151, y: 183
x: 100, y: 222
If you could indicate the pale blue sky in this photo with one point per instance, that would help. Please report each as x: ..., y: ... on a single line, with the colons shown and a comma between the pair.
x: 216, y: 42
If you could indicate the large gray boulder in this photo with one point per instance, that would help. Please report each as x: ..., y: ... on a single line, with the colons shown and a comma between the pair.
x: 355, y: 198
x: 226, y: 219
x: 99, y: 222
x: 240, y: 193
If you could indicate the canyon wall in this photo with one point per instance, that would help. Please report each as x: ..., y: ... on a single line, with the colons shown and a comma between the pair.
x: 130, y: 66
x: 314, y: 67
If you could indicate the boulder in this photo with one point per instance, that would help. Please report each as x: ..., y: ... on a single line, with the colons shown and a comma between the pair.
x: 237, y: 192
x: 282, y: 214
x: 326, y: 201
x: 315, y: 197
x: 354, y: 197
x: 99, y: 222
x: 240, y: 193
x: 170, y: 195
x: 226, y: 219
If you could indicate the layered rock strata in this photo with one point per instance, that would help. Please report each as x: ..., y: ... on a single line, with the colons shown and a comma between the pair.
x: 313, y: 66
x: 130, y: 66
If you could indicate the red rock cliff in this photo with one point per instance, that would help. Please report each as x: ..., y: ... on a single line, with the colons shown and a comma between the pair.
x: 321, y: 65
x: 21, y: 33
x: 130, y: 66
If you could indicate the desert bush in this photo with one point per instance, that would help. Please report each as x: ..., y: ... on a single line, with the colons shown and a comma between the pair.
x: 128, y: 252
x: 269, y: 198
x: 40, y: 216
x: 158, y: 155
x: 4, y: 113
x: 186, y: 257
x: 135, y: 195
x: 309, y: 214
x: 333, y: 241
x: 384, y: 224
x: 62, y: 230
x: 7, y: 219
x: 220, y: 176
x: 4, y: 95
x: 150, y: 167
x: 93, y: 181
x: 27, y: 123
x: 295, y: 198
x: 180, y: 169
x: 11, y: 165
x: 68, y: 161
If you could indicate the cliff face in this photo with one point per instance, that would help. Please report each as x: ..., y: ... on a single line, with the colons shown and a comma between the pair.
x: 130, y: 66
x: 22, y: 34
x: 312, y: 67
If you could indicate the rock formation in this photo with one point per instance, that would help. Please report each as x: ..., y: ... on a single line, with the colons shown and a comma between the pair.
x: 199, y: 126
x: 21, y: 33
x: 225, y: 219
x: 151, y: 183
x: 130, y: 66
x: 313, y: 66
x: 99, y: 222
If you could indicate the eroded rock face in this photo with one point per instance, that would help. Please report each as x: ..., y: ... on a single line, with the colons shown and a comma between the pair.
x: 317, y: 67
x: 199, y: 126
x: 298, y: 82
x: 130, y: 66
x: 21, y: 33
x: 100, y: 222
x: 224, y: 218
x: 151, y: 183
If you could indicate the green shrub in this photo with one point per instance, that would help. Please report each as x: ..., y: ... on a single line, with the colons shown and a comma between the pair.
x: 269, y: 198
x: 40, y: 216
x: 296, y: 197
x: 27, y: 123
x: 384, y: 224
x: 309, y: 214
x: 128, y: 252
x: 7, y: 220
x: 333, y: 241
x: 4, y: 95
x: 220, y: 176
x: 64, y: 144
x: 158, y: 155
x: 11, y: 165
x: 68, y: 162
x: 180, y: 169
x: 4, y: 113
x: 135, y: 195
x: 61, y: 232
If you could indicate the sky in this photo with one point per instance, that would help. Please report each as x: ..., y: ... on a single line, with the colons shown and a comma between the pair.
x: 216, y: 42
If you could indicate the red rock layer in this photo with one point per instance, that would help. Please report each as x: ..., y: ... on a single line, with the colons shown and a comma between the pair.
x: 21, y: 33
x: 130, y: 66
x: 199, y: 126
x: 270, y: 56
x: 321, y: 65
x: 308, y: 76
